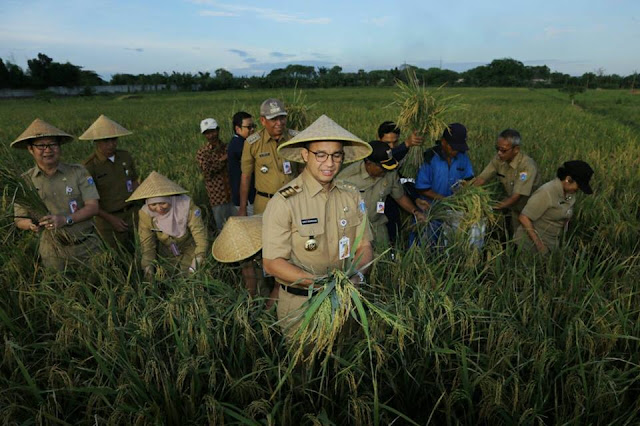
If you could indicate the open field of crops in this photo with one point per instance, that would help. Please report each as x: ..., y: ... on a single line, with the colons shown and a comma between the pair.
x: 505, y: 340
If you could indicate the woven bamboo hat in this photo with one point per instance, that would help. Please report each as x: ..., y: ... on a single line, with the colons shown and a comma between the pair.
x: 104, y: 128
x: 241, y: 238
x: 325, y: 129
x: 156, y: 185
x: 40, y: 129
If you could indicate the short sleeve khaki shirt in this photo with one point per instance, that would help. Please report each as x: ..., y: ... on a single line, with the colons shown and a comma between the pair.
x: 373, y: 189
x: 114, y: 179
x: 303, y: 211
x: 260, y: 158
x: 550, y: 210
x: 519, y: 176
x: 64, y: 193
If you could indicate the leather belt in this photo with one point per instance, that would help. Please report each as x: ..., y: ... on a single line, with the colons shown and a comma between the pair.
x: 264, y: 194
x: 296, y: 291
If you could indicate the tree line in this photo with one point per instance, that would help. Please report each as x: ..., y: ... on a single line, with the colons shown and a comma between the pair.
x: 43, y: 72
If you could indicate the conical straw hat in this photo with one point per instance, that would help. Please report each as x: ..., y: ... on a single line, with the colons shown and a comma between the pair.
x: 40, y: 129
x: 104, y: 128
x: 240, y: 239
x: 156, y: 185
x: 325, y: 129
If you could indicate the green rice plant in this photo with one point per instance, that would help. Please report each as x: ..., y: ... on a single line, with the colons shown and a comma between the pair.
x: 423, y: 111
x: 297, y: 110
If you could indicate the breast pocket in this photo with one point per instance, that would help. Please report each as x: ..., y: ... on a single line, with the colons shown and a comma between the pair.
x: 308, y: 238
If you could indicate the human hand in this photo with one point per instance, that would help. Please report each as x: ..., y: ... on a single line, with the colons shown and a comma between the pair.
x: 119, y: 225
x: 542, y: 249
x: 34, y: 227
x: 422, y: 204
x: 414, y: 140
x: 149, y: 272
x: 420, y: 217
x: 52, y: 222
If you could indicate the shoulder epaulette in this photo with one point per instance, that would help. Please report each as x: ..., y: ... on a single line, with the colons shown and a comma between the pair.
x: 293, y: 132
x: 343, y: 184
x: 253, y: 138
x: 290, y: 190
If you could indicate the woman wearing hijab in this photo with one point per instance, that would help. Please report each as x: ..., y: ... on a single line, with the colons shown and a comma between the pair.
x: 549, y: 209
x: 170, y: 225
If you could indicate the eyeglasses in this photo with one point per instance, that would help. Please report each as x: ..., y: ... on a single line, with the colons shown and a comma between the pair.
x: 321, y: 157
x: 504, y: 150
x: 250, y: 126
x: 43, y: 147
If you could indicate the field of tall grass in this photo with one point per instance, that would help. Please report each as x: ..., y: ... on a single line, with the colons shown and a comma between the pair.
x: 505, y: 340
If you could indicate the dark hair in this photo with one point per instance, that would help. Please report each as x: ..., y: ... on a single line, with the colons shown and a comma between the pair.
x: 562, y: 173
x: 388, y: 127
x: 237, y: 119
x: 511, y: 135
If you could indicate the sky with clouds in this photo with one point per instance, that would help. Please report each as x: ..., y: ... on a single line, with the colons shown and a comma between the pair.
x: 254, y: 37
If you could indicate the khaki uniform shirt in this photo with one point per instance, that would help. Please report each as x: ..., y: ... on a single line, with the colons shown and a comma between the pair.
x: 520, y: 176
x: 302, y: 211
x: 260, y: 157
x: 64, y: 193
x: 191, y: 245
x: 549, y: 210
x: 114, y: 180
x: 373, y: 190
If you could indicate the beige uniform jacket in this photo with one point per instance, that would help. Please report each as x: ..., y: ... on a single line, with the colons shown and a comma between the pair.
x: 302, y: 211
x: 374, y: 190
x: 115, y: 181
x: 260, y: 158
x: 64, y: 193
x: 549, y: 210
x: 191, y: 245
x: 519, y: 176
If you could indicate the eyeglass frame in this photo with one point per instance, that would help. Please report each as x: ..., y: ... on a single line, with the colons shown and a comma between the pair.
x: 335, y: 160
x: 43, y: 147
x: 504, y: 151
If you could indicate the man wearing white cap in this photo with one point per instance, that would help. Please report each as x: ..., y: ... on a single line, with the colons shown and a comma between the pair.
x: 310, y: 225
x: 260, y: 157
x: 212, y: 159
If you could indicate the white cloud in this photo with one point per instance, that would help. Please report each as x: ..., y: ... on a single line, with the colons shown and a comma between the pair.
x: 554, y: 32
x: 270, y: 14
x: 215, y: 13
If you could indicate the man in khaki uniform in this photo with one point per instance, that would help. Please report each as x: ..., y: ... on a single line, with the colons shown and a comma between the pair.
x: 260, y: 157
x: 311, y: 224
x: 376, y: 178
x: 548, y: 211
x: 69, y: 193
x: 516, y: 171
x: 115, y: 176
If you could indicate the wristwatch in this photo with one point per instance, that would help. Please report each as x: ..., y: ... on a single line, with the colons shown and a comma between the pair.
x: 360, y: 276
x: 69, y: 220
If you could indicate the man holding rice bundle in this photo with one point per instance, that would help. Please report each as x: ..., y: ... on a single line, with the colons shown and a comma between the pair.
x: 310, y: 226
x: 377, y: 179
x: 115, y: 176
x: 517, y: 173
x: 69, y: 194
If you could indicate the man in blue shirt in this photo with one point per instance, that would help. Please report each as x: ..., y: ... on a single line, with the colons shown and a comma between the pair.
x: 243, y: 126
x: 446, y: 166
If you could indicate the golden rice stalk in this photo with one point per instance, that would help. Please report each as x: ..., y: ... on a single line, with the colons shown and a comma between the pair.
x: 297, y: 110
x: 422, y: 111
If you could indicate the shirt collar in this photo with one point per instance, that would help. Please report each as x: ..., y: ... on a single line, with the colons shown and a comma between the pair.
x: 312, y: 184
x: 102, y: 158
x: 515, y: 161
x: 62, y: 168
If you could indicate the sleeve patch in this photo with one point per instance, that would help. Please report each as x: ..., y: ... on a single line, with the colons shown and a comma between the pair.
x: 90, y: 180
x: 197, y: 213
x: 523, y: 176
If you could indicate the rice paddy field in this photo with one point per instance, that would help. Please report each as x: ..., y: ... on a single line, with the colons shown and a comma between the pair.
x: 505, y: 339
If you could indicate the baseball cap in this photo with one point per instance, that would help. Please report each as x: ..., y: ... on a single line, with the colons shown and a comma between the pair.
x: 271, y: 108
x: 581, y: 172
x: 456, y: 136
x: 208, y: 124
x: 381, y: 155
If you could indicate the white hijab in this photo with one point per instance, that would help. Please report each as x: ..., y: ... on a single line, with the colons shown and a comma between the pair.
x: 174, y: 222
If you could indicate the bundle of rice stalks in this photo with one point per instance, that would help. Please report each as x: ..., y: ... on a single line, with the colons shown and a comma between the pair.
x: 297, y: 110
x: 422, y: 111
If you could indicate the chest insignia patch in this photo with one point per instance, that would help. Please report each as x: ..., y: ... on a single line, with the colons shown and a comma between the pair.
x: 523, y: 176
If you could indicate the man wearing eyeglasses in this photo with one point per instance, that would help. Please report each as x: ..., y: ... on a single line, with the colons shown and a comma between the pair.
x: 311, y: 225
x: 261, y: 160
x: 377, y: 179
x: 243, y: 127
x: 517, y: 173
x: 69, y: 193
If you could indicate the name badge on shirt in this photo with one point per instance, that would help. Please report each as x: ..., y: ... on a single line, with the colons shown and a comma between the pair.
x: 286, y: 167
x: 73, y: 206
x: 380, y: 207
x: 129, y: 186
x: 344, y: 248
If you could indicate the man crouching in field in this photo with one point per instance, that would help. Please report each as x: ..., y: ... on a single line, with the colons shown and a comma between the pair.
x: 69, y: 194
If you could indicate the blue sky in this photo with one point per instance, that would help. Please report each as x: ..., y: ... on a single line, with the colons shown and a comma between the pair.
x: 253, y: 37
